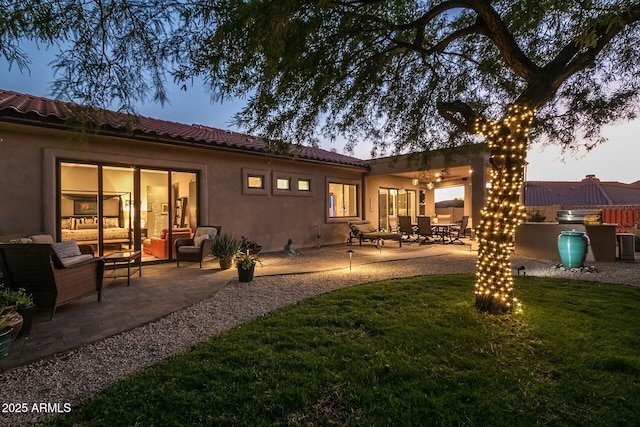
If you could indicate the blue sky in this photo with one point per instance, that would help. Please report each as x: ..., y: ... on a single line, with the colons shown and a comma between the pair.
x: 615, y: 161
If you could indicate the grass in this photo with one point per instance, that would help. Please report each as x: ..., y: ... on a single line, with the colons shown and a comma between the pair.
x: 402, y: 352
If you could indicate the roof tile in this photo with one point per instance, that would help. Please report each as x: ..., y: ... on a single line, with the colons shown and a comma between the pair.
x: 14, y: 104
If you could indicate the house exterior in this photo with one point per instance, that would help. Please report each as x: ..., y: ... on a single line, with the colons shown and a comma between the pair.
x: 619, y: 202
x: 131, y: 180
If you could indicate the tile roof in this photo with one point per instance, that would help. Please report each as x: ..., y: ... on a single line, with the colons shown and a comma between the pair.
x: 588, y: 192
x: 35, y: 110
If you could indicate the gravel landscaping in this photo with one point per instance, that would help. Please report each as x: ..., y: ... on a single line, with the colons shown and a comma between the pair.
x: 68, y: 379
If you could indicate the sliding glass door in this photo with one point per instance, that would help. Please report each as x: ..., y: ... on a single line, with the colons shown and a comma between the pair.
x: 114, y: 208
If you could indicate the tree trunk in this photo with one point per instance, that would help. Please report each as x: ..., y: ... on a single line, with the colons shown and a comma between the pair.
x: 503, y: 212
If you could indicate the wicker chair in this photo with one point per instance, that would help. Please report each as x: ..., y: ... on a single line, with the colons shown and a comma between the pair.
x: 53, y: 281
x: 197, y: 248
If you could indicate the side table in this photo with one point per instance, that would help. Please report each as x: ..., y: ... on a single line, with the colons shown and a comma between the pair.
x: 125, y: 258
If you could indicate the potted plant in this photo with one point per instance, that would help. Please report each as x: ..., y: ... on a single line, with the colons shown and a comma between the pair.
x: 25, y: 306
x: 225, y: 248
x: 249, y: 246
x: 246, y: 264
x: 15, y: 303
x: 5, y: 335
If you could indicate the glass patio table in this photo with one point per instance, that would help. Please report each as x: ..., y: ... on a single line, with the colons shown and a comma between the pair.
x: 122, y: 259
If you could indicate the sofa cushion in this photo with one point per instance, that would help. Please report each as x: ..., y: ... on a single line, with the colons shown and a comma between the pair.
x: 364, y: 228
x: 76, y: 260
x: 66, y: 249
x: 41, y: 238
x: 189, y: 249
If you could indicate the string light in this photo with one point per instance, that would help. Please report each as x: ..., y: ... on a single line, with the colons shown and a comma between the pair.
x: 503, y: 212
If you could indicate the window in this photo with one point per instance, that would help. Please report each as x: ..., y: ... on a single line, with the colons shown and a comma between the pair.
x: 304, y: 185
x: 255, y: 181
x: 343, y: 200
x: 282, y: 183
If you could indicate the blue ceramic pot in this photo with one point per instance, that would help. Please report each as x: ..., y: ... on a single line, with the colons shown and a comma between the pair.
x: 573, y: 246
x: 5, y: 341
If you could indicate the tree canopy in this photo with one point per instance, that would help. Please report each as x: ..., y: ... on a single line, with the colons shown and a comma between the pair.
x: 410, y: 75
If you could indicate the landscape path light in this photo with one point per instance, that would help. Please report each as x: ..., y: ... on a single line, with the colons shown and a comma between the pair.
x: 350, y: 252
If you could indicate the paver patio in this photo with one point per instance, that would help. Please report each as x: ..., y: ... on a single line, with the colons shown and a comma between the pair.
x: 164, y: 289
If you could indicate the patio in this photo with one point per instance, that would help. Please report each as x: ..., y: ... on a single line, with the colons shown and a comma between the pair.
x: 164, y: 289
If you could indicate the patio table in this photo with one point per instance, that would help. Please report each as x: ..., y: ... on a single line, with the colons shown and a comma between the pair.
x: 122, y: 258
x: 443, y: 231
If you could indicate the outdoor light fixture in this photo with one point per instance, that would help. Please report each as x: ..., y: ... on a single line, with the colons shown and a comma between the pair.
x: 350, y: 252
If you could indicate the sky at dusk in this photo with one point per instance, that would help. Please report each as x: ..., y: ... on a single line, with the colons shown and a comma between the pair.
x: 617, y: 160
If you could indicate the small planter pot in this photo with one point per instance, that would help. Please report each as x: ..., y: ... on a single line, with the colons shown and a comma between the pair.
x: 246, y: 275
x: 15, y: 320
x: 226, y: 263
x: 573, y: 246
x: 5, y: 341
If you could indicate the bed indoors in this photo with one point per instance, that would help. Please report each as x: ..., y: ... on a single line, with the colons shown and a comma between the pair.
x: 80, y: 221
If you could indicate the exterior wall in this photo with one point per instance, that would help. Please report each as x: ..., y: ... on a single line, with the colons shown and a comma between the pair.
x: 398, y: 173
x: 28, y: 157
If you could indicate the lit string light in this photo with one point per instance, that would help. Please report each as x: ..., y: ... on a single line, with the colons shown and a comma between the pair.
x: 503, y: 212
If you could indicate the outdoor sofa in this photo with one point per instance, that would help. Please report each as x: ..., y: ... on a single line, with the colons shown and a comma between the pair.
x: 54, y: 274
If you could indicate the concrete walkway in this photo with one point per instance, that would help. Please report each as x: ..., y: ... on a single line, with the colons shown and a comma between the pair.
x: 164, y: 289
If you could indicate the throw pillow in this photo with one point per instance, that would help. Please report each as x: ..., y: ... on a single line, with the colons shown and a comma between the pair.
x: 66, y: 249
x: 198, y: 240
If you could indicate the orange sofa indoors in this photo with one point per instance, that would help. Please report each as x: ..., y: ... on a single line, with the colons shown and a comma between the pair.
x: 160, y: 245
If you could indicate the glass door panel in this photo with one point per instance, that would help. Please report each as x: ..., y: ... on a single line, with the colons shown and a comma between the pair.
x: 185, y: 197
x: 79, y: 204
x: 383, y: 208
x: 118, y: 216
x: 154, y: 214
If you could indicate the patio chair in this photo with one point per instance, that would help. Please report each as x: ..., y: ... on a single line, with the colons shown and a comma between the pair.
x: 406, y: 228
x: 364, y: 230
x: 458, y: 232
x: 394, y: 227
x: 196, y: 248
x: 424, y: 229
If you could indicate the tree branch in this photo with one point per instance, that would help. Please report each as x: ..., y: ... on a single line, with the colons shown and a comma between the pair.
x: 499, y: 34
x: 575, y: 57
x: 459, y: 113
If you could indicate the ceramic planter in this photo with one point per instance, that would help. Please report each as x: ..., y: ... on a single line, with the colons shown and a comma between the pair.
x: 226, y: 263
x: 573, y: 246
x: 5, y: 341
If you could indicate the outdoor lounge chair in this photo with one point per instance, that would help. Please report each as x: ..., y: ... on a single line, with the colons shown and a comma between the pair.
x: 364, y: 230
x: 458, y: 232
x: 197, y: 248
x: 424, y: 229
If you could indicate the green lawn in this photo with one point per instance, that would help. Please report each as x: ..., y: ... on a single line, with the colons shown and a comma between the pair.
x: 403, y: 352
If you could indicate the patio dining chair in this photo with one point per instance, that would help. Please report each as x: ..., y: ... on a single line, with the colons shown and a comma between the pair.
x: 424, y: 229
x: 394, y: 227
x: 405, y: 226
x: 458, y: 232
